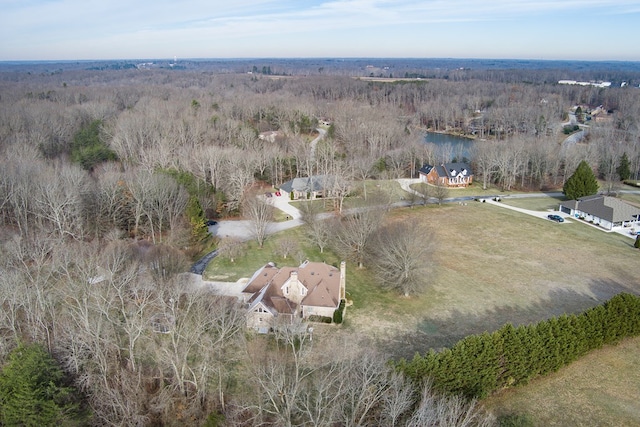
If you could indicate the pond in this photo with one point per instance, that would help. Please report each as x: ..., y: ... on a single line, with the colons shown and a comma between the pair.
x: 447, y: 148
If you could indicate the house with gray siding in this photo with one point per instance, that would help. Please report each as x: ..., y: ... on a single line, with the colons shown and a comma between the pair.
x: 606, y: 211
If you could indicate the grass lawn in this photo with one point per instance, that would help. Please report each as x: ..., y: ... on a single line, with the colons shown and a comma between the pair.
x: 475, y: 189
x: 631, y: 198
x: 493, y: 266
x: 220, y: 269
x: 390, y: 188
x: 536, y: 203
x: 601, y: 389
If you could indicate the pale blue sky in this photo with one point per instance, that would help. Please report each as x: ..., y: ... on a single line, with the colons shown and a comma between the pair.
x: 132, y: 29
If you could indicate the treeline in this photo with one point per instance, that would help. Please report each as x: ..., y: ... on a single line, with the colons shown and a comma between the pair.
x: 209, y: 125
x: 481, y: 364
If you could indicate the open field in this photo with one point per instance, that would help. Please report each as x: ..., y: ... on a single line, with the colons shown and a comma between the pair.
x: 492, y: 266
x: 536, y: 203
x: 495, y: 266
x: 601, y: 389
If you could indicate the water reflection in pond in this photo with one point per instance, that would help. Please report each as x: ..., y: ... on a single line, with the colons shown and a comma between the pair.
x: 447, y: 148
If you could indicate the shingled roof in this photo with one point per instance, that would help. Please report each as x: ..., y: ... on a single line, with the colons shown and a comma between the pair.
x: 605, y: 207
x: 322, y: 283
x: 308, y: 184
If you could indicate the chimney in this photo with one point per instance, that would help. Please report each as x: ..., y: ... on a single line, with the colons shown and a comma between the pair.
x: 295, y: 288
x: 343, y: 279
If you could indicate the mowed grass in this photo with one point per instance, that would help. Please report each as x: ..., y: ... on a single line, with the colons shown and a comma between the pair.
x: 254, y: 257
x: 544, y: 203
x: 600, y: 389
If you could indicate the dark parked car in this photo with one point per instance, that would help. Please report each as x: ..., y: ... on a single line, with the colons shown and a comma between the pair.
x: 556, y: 218
x: 211, y: 222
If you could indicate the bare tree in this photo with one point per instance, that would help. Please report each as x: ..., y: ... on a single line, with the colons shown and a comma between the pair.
x: 440, y: 192
x: 402, y: 254
x: 230, y: 248
x: 239, y: 177
x: 448, y: 411
x: 281, y: 378
x: 260, y: 215
x: 484, y: 161
x: 318, y: 230
x: 286, y: 246
x: 355, y: 232
x: 398, y: 399
x: 59, y: 200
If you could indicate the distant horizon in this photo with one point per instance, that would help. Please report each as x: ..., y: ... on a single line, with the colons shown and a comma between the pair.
x: 578, y: 30
x: 346, y: 58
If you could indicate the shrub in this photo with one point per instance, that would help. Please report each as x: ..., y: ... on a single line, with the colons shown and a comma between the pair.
x: 339, y: 313
x: 319, y: 319
x: 480, y: 364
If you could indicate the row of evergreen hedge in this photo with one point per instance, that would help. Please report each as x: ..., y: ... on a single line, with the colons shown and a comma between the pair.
x: 481, y: 364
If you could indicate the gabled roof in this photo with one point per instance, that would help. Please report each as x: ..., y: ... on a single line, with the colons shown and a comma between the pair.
x: 455, y: 169
x: 308, y: 184
x: 448, y: 169
x: 605, y: 207
x: 321, y: 280
x: 425, y: 169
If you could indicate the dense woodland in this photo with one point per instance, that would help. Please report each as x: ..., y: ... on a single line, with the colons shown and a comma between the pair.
x: 107, y: 177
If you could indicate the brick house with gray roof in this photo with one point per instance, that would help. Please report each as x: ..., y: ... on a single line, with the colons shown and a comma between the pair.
x: 605, y: 211
x: 447, y: 174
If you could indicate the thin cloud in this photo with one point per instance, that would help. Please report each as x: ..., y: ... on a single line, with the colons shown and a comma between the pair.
x: 30, y: 25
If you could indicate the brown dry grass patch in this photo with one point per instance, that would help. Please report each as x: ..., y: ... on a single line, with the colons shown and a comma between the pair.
x: 601, y: 389
x: 495, y: 266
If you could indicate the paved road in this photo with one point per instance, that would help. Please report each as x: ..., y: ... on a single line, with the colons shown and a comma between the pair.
x: 241, y: 229
x: 312, y: 153
x: 201, y: 264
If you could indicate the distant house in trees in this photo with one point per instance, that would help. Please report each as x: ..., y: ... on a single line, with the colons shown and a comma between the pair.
x: 313, y: 187
x: 271, y: 136
x: 447, y: 174
x: 605, y: 211
x: 288, y: 293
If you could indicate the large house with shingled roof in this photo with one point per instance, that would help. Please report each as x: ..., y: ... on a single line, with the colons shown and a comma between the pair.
x: 289, y: 293
x: 605, y: 211
x: 447, y: 174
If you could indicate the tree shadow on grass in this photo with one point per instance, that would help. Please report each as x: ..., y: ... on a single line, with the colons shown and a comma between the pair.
x: 438, y: 332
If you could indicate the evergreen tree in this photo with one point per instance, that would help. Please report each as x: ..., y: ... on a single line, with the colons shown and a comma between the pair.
x: 624, y: 167
x: 582, y: 183
x: 31, y: 389
x: 88, y: 149
x: 637, y: 243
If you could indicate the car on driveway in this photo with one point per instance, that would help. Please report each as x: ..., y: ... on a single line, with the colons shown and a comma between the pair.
x: 556, y: 218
